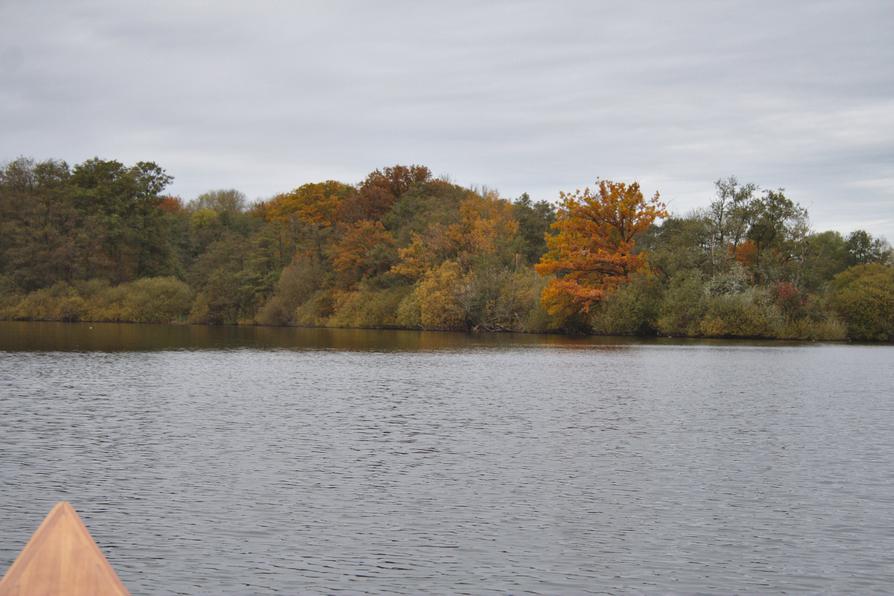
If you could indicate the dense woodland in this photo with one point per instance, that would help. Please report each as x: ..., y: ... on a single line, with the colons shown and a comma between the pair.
x: 101, y: 241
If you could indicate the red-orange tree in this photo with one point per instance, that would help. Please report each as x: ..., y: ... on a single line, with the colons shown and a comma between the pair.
x: 593, y: 250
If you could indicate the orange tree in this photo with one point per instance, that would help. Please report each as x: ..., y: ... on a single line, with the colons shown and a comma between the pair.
x: 592, y: 251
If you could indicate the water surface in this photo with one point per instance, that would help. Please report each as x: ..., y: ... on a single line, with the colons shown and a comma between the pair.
x: 240, y: 461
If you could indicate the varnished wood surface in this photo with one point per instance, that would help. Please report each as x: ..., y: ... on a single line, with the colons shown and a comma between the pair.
x: 61, y: 559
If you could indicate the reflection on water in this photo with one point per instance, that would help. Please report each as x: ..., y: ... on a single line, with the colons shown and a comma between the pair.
x: 414, y: 463
x: 113, y: 337
x: 124, y: 337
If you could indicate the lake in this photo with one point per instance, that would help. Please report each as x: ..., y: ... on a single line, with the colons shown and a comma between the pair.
x: 259, y: 460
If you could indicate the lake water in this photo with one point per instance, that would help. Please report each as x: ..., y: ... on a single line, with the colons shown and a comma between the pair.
x: 252, y: 460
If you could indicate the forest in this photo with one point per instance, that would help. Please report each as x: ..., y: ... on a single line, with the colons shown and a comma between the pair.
x: 102, y: 241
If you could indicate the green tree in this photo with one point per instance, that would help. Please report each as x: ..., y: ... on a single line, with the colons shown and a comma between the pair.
x: 862, y: 248
x: 679, y: 244
x: 863, y: 296
x: 825, y: 256
x: 534, y: 221
x: 38, y: 224
x: 226, y: 202
x: 778, y: 229
x: 730, y: 214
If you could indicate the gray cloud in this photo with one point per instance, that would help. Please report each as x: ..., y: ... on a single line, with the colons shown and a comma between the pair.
x: 520, y: 96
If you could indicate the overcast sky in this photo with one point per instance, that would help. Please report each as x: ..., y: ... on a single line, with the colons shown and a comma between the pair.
x: 530, y: 97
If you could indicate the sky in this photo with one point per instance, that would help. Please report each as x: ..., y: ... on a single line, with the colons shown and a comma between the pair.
x: 534, y: 97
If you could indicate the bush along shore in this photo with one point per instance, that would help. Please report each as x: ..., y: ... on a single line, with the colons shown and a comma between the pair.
x: 101, y: 241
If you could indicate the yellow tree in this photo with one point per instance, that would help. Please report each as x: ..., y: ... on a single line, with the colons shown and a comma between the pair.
x: 364, y: 249
x: 485, y: 228
x: 592, y: 252
x: 315, y: 203
x: 304, y: 218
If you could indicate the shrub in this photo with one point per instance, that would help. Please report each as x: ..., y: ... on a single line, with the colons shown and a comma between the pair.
x: 296, y: 285
x: 409, y: 312
x: 751, y: 313
x: 315, y: 312
x: 477, y: 294
x: 227, y: 298
x: 518, y: 306
x: 631, y: 310
x: 147, y: 300
x: 59, y: 302
x: 863, y: 296
x: 789, y: 299
x: 157, y: 300
x: 733, y: 281
x: 368, y: 307
x: 201, y: 311
x: 438, y: 295
x: 104, y: 302
x: 828, y: 329
x: 275, y: 311
x: 683, y: 305
x: 493, y: 298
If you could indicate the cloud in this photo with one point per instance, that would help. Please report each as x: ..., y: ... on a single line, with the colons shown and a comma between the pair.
x: 520, y: 96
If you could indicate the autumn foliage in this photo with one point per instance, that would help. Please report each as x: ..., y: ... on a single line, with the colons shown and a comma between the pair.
x: 365, y: 249
x: 99, y: 241
x: 315, y: 203
x: 593, y: 250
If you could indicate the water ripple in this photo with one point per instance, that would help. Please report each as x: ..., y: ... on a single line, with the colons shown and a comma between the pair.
x: 487, y: 470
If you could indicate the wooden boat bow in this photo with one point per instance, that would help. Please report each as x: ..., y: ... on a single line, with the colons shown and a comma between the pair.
x: 61, y: 559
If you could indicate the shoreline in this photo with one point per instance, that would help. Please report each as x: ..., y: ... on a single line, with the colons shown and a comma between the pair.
x: 466, y: 332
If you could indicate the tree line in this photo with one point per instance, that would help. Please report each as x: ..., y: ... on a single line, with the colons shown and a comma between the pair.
x: 101, y: 241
